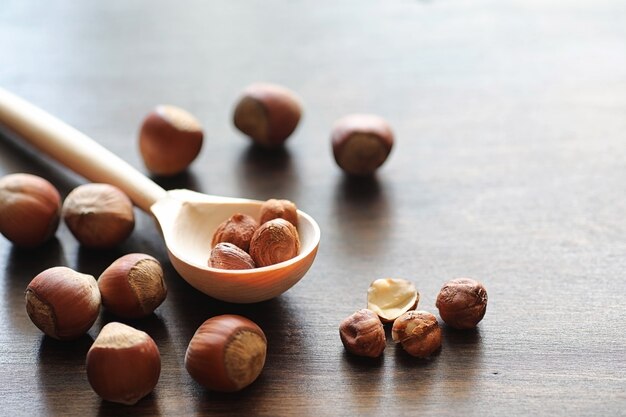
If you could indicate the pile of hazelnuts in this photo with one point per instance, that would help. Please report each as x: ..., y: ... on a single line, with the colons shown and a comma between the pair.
x: 461, y: 302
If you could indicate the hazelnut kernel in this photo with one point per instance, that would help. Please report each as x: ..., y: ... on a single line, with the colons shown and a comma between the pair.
x: 63, y: 303
x: 30, y: 209
x: 274, y: 209
x: 361, y: 143
x: 418, y: 332
x: 99, y: 216
x: 274, y: 241
x: 170, y: 139
x: 391, y: 297
x: 238, y: 230
x: 363, y: 334
x: 133, y: 286
x: 462, y: 303
x: 228, y: 256
x: 227, y: 353
x: 123, y: 364
x: 267, y: 113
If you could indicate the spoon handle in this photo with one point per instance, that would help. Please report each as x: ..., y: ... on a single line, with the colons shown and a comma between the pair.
x: 75, y: 150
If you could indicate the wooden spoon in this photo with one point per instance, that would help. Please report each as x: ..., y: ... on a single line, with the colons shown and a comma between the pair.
x: 187, y: 219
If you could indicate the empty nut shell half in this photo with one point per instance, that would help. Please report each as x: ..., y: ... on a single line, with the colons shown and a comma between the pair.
x: 391, y: 297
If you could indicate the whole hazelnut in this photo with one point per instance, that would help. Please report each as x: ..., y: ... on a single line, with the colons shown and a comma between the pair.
x: 132, y: 286
x: 238, y: 230
x: 361, y: 143
x: 30, y: 209
x: 267, y: 113
x: 462, y: 303
x: 363, y: 334
x: 63, y: 303
x: 228, y: 256
x: 274, y: 241
x: 99, y: 216
x: 227, y: 353
x: 418, y: 332
x: 275, y: 209
x: 391, y: 297
x: 169, y: 140
x: 123, y: 364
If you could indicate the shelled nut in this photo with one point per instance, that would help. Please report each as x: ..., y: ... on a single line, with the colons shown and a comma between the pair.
x: 418, y: 332
x: 238, y: 230
x: 283, y: 209
x: 462, y: 303
x: 362, y: 334
x: 228, y: 256
x: 391, y: 297
x: 274, y: 241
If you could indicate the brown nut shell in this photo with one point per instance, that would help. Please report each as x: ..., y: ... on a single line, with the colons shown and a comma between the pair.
x: 169, y: 140
x: 418, y: 332
x: 274, y: 241
x: 462, y: 303
x: 228, y: 256
x: 361, y: 143
x: 279, y: 209
x: 362, y: 334
x: 267, y: 113
x: 133, y: 286
x: 63, y: 303
x: 30, y: 209
x: 238, y: 230
x: 227, y: 353
x: 100, y: 216
x: 123, y: 364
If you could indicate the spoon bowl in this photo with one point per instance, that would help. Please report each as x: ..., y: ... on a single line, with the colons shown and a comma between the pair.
x: 187, y: 219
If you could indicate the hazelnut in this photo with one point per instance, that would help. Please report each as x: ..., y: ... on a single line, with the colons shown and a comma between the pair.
x: 99, y: 216
x: 30, y: 209
x: 228, y: 256
x: 275, y: 209
x: 391, y: 297
x: 123, y: 364
x: 227, y: 353
x: 63, y: 303
x: 238, y: 230
x: 418, y: 332
x: 462, y: 303
x: 363, y: 334
x: 132, y: 286
x: 169, y: 140
x: 361, y: 143
x: 267, y: 113
x: 274, y: 241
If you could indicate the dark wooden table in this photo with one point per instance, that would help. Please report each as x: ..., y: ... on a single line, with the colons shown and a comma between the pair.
x: 510, y: 167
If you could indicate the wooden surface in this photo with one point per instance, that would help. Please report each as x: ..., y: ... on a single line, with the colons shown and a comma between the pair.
x: 510, y: 167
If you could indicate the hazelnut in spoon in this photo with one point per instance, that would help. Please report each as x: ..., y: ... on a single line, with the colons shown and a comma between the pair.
x: 187, y: 219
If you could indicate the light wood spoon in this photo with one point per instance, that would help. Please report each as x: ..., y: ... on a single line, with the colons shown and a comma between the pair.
x: 187, y: 219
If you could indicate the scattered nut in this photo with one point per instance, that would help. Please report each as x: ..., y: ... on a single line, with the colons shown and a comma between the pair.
x: 418, y: 332
x: 132, y: 286
x: 361, y: 143
x: 169, y: 140
x: 238, y: 230
x: 267, y: 113
x: 30, y: 209
x: 391, y: 297
x: 99, y: 215
x: 227, y: 353
x: 63, y: 303
x: 274, y: 241
x: 462, y: 303
x: 228, y: 256
x: 283, y: 209
x: 363, y: 334
x: 123, y: 364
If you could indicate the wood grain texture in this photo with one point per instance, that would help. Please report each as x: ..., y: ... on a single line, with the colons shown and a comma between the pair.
x: 509, y: 167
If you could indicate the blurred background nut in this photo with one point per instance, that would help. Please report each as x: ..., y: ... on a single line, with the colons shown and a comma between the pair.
x: 30, y: 209
x: 283, y: 209
x: 462, y: 303
x: 363, y: 334
x: 391, y: 297
x: 238, y: 230
x: 273, y: 242
x: 418, y: 332
x: 267, y: 113
x: 99, y: 216
x: 169, y: 140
